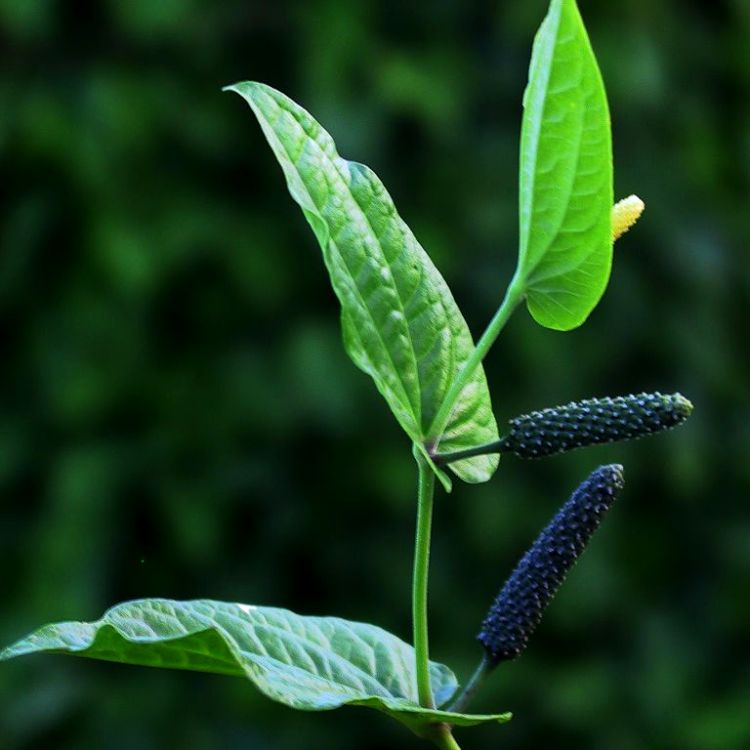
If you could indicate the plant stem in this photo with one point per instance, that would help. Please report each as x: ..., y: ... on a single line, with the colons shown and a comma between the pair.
x: 420, y: 579
x: 445, y: 739
x: 471, y: 687
x: 513, y: 297
x: 479, y: 450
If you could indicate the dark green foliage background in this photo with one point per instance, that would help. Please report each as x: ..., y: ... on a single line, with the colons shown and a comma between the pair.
x: 178, y: 417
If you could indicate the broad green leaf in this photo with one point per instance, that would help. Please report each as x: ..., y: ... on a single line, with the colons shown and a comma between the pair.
x: 565, y: 200
x: 400, y: 322
x: 308, y: 663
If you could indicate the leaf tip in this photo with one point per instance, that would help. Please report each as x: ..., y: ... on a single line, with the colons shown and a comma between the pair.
x: 241, y: 87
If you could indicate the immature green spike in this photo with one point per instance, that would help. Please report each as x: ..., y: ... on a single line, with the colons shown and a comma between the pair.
x: 592, y: 422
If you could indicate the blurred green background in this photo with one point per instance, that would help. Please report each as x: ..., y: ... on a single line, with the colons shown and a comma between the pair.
x: 178, y: 417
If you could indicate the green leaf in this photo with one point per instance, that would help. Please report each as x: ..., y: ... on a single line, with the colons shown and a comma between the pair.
x: 308, y: 663
x: 400, y: 322
x: 566, y: 196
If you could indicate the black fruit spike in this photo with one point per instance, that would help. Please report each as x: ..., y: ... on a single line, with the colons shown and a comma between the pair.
x: 593, y: 421
x: 519, y: 606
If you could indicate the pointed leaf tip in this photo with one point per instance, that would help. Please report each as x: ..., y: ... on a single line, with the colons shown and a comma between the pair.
x: 308, y: 663
x: 400, y: 322
x: 565, y: 185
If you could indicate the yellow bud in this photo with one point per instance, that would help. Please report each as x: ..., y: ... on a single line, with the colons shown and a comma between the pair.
x: 625, y: 213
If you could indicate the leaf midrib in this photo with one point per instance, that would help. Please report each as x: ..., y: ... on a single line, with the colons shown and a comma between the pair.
x: 322, y: 651
x: 209, y: 624
x: 353, y: 284
x: 536, y: 128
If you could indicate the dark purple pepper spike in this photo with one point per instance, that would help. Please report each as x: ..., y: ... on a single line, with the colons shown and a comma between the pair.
x: 592, y: 422
x: 519, y: 606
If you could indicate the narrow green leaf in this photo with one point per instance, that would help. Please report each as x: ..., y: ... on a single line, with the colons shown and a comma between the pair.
x: 566, y: 196
x: 400, y: 322
x: 308, y: 663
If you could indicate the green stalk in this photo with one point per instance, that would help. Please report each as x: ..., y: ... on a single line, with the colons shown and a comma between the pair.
x: 425, y: 498
x: 445, y: 739
x: 480, y: 450
x: 475, y: 682
x: 513, y: 297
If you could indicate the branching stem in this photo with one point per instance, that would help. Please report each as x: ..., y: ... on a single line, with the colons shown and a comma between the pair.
x: 444, y: 738
x: 513, y: 297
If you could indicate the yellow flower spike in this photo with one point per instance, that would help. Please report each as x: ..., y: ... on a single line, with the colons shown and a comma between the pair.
x: 625, y: 213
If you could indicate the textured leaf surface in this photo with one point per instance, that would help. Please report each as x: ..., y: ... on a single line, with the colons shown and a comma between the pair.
x: 400, y: 322
x: 565, y: 187
x: 308, y: 663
